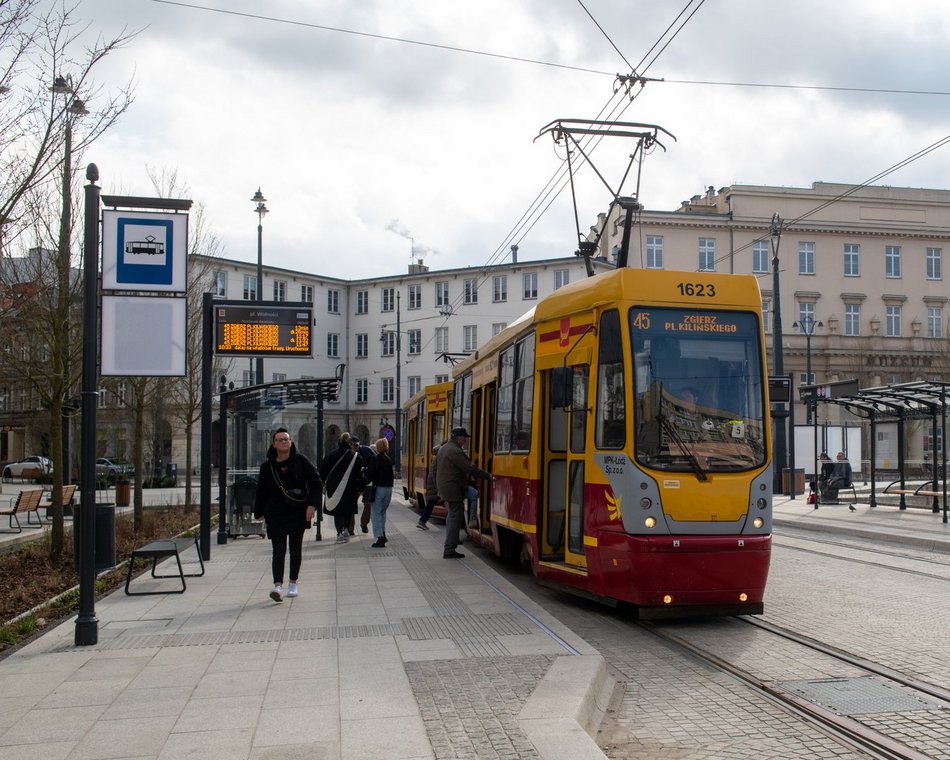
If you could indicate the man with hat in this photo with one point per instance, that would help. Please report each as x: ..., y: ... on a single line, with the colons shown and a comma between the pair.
x: 452, y: 469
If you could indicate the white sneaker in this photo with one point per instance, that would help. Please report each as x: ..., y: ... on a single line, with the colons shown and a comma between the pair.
x: 277, y: 594
x: 340, y: 538
x: 292, y: 589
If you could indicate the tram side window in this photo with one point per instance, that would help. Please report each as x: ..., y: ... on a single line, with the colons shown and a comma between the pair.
x: 515, y: 397
x: 506, y: 380
x: 611, y: 430
x: 524, y: 395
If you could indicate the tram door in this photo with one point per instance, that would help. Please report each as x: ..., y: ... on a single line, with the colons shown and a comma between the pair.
x: 564, y: 469
x: 483, y: 432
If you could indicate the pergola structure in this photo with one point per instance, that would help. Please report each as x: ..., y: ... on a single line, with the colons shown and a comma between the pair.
x: 918, y: 400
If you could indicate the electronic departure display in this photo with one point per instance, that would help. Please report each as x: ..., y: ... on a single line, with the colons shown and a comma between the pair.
x: 263, y: 329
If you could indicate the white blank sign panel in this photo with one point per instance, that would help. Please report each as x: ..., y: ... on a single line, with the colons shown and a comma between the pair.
x: 143, y: 336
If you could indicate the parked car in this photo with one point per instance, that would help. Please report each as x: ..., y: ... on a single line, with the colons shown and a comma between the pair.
x: 114, y: 468
x: 34, y: 465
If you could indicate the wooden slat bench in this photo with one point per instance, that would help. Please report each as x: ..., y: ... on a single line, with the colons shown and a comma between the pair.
x: 69, y: 494
x: 26, y: 502
x: 162, y: 549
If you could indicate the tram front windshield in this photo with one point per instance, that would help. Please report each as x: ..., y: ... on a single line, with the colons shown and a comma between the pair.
x: 699, y: 394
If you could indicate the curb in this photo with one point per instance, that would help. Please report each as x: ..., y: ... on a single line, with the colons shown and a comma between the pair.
x: 563, y: 713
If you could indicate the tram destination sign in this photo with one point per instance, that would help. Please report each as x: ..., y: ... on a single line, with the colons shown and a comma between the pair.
x: 263, y: 329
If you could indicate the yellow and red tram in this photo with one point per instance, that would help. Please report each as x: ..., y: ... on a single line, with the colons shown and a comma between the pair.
x: 625, y: 422
x: 425, y: 421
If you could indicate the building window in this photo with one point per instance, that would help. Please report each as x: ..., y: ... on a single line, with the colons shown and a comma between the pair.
x: 806, y: 318
x: 441, y: 379
x: 529, y: 282
x: 892, y: 261
x: 441, y: 294
x: 760, y: 256
x: 247, y: 376
x: 934, y: 267
x: 250, y: 287
x: 333, y: 301
x: 469, y: 338
x: 499, y: 289
x: 389, y: 299
x: 707, y: 255
x: 470, y: 290
x: 415, y: 296
x: 362, y: 345
x: 852, y: 260
x: 279, y: 377
x: 654, y: 251
x: 388, y: 341
x: 333, y: 345
x: 767, y: 316
x: 893, y: 326
x: 102, y: 399
x: 934, y: 322
x: 852, y: 319
x: 362, y: 302
x: 415, y: 385
x: 362, y: 391
x: 220, y: 283
x: 387, y: 391
x: 306, y: 293
x: 561, y: 278
x: 441, y: 340
x: 805, y: 379
x: 497, y: 327
x: 415, y: 342
x: 806, y: 258
x: 280, y: 290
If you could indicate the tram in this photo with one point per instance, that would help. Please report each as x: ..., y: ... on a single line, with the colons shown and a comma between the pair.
x: 425, y: 426
x: 625, y: 422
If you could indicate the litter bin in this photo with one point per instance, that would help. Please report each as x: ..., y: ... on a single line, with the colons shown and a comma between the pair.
x: 123, y: 493
x: 105, y: 535
x: 799, y: 481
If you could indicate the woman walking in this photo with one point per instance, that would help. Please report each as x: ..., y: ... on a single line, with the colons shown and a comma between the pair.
x: 384, y: 474
x: 288, y: 492
x: 341, y: 471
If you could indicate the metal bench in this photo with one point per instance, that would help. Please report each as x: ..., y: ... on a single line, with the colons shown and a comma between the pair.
x: 163, y: 549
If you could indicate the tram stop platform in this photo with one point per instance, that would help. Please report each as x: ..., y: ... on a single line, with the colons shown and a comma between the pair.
x: 386, y: 653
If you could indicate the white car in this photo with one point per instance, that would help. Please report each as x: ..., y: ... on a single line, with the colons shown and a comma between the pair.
x: 36, y: 465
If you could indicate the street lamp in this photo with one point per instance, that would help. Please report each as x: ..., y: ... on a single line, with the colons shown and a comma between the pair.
x: 260, y: 209
x: 398, y: 395
x: 74, y: 109
x: 775, y: 233
x: 807, y: 324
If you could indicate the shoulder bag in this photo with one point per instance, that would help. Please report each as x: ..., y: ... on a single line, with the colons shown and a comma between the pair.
x: 332, y: 500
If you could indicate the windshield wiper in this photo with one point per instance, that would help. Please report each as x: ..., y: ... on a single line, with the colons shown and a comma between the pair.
x: 671, y: 430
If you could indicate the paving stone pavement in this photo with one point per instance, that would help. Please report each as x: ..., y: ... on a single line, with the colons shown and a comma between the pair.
x: 387, y: 653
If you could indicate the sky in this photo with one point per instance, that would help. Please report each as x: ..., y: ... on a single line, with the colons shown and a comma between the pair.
x: 374, y: 152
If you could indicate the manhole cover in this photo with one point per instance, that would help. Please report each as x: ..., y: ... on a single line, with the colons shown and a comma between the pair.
x: 854, y: 696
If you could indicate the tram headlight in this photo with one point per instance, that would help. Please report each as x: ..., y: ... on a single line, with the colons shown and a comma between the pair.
x: 667, y: 599
x: 743, y: 597
x: 761, y: 503
x: 646, y: 502
x: 650, y: 522
x: 758, y: 522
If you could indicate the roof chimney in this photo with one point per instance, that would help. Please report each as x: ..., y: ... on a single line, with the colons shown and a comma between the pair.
x: 514, y: 253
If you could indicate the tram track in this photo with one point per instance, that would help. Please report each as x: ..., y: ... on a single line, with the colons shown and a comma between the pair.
x: 846, y: 730
x: 871, y: 550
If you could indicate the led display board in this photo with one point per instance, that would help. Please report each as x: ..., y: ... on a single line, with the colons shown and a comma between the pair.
x: 263, y: 329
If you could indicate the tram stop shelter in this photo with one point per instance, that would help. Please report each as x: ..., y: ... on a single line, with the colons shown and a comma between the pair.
x: 247, y: 419
x: 900, y: 403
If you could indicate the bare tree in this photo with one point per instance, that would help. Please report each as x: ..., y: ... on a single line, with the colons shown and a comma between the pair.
x: 45, y: 126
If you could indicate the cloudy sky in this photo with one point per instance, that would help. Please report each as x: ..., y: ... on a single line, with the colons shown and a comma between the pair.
x: 369, y: 123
